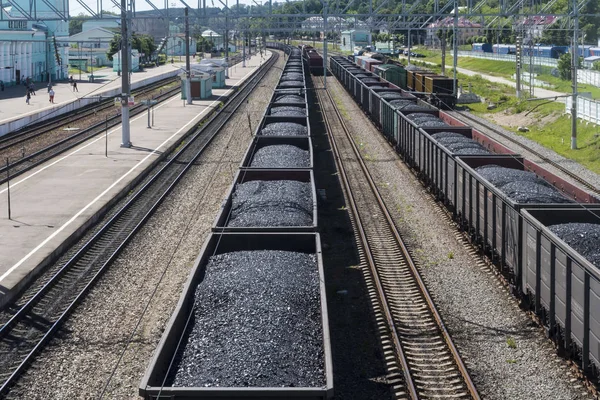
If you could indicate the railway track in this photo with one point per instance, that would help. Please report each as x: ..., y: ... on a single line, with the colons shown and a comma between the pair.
x: 477, y: 124
x: 30, y: 131
x: 29, y: 148
x: 32, y: 319
x: 421, y: 346
x: 34, y: 154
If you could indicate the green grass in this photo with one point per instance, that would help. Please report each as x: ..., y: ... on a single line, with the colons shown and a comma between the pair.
x: 511, y: 342
x: 75, y: 71
x: 557, y: 136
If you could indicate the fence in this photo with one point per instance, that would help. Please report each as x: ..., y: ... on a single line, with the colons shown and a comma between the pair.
x: 550, y: 62
x: 587, y: 109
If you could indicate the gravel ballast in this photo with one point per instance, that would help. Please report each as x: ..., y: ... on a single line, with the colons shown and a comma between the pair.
x: 257, y: 323
x: 284, y: 129
x: 584, y: 238
x: 271, y: 203
x: 281, y: 156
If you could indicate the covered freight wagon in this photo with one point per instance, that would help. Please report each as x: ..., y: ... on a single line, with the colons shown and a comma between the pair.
x: 392, y: 73
x: 482, y: 48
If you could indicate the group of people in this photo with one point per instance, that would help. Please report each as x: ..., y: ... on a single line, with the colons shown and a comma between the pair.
x: 30, y: 89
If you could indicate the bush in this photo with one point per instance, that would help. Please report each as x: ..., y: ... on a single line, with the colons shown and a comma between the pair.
x: 596, y: 66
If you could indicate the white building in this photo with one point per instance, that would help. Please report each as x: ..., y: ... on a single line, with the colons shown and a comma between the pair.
x: 32, y: 49
x: 90, y: 47
x: 466, y: 29
x: 355, y: 38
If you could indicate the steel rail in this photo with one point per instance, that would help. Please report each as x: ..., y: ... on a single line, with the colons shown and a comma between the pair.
x: 173, y: 166
x: 411, y: 387
x: 43, y: 155
x: 33, y: 130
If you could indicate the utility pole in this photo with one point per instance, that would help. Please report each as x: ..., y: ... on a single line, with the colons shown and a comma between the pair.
x: 443, y: 45
x: 574, y: 65
x: 244, y: 38
x: 518, y: 60
x: 188, y: 82
x: 125, y: 134
x: 455, y: 40
x: 227, y: 38
x: 325, y: 44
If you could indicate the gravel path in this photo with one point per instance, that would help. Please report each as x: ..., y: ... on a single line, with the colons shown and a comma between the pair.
x: 79, y: 364
x: 507, y: 354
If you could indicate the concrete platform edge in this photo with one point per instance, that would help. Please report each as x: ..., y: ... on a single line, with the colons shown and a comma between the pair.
x: 51, y: 112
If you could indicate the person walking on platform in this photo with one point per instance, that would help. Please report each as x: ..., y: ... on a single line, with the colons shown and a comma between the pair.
x: 51, y: 94
x: 75, y: 86
x: 32, y: 88
x: 27, y: 97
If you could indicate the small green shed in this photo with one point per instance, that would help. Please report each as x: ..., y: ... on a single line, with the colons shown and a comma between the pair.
x: 200, y: 86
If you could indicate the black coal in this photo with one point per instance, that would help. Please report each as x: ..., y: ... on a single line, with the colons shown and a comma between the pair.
x: 281, y: 156
x: 271, y: 203
x: 256, y: 323
x: 288, y: 111
x: 290, y: 98
x: 284, y: 129
x: 584, y: 238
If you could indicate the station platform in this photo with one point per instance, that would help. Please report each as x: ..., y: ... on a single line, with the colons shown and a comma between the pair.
x: 54, y: 201
x: 16, y: 113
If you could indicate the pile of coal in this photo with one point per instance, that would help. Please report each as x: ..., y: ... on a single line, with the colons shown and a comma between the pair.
x: 281, y: 156
x: 289, y: 98
x: 288, y: 111
x: 289, y: 76
x: 426, y: 120
x: 414, y: 108
x: 390, y: 95
x: 271, y: 203
x: 284, y: 129
x: 521, y: 186
x: 459, y: 144
x: 401, y: 103
x: 256, y: 322
x: 584, y: 238
x: 291, y: 84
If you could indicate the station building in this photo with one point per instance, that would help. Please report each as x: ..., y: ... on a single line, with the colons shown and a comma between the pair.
x: 31, y: 49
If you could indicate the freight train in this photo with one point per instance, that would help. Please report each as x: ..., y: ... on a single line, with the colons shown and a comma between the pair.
x: 263, y: 255
x: 538, y: 50
x: 527, y: 219
x: 312, y: 60
x: 436, y: 89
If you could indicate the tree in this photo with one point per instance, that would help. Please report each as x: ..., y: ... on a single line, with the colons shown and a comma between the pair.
x: 76, y: 25
x: 113, y: 47
x: 144, y: 44
x: 564, y: 66
x: 556, y: 36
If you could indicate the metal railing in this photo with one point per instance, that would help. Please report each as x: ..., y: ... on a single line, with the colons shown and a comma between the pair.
x: 587, y: 109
